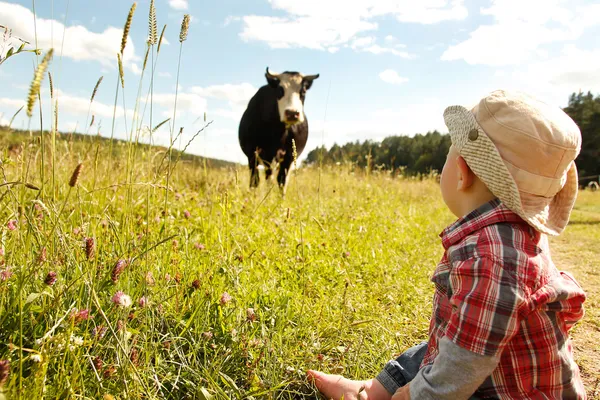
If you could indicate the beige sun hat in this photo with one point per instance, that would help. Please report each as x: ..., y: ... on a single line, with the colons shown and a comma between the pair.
x: 524, y: 152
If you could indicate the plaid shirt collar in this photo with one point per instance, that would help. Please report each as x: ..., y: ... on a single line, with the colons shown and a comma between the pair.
x: 490, y: 213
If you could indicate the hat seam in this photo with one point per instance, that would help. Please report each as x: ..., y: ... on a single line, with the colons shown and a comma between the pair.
x: 523, y: 132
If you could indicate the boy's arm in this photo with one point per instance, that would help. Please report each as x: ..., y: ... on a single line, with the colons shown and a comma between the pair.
x: 455, y: 374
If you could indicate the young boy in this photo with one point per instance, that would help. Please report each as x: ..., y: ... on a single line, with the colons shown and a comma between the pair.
x: 501, y: 309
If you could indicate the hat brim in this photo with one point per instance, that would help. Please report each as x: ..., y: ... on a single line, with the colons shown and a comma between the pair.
x: 549, y: 215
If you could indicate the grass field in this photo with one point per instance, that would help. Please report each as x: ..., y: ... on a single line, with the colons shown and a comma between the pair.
x: 227, y: 293
x: 137, y: 272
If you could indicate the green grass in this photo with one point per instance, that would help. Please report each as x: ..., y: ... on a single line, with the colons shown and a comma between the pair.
x: 578, y: 250
x: 243, y: 290
x: 337, y: 276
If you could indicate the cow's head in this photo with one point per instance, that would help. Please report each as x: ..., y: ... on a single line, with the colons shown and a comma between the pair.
x: 291, y: 90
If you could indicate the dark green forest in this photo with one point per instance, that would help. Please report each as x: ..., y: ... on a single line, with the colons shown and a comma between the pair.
x: 424, y: 153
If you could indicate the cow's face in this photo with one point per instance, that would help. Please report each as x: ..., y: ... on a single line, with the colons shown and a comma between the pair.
x: 291, y: 90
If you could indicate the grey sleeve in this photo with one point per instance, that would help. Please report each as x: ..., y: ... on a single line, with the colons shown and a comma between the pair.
x: 455, y: 374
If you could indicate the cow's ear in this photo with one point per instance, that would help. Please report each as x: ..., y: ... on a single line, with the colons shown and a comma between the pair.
x: 273, y: 82
x: 306, y: 84
x: 308, y: 81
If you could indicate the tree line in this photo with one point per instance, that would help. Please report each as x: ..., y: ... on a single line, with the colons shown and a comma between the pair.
x: 424, y: 153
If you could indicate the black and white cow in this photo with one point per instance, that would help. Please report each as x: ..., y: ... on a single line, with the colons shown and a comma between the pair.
x: 275, y: 116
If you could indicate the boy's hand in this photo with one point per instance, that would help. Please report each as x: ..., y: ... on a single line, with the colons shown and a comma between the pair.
x: 402, y: 394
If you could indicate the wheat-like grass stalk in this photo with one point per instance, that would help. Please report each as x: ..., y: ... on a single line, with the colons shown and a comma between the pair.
x: 38, y: 76
x: 146, y: 58
x: 152, y: 28
x: 162, y: 34
x: 51, y: 85
x: 92, y: 122
x: 75, y: 175
x: 96, y: 88
x: 185, y: 26
x: 121, y: 74
x: 56, y: 115
x: 127, y: 26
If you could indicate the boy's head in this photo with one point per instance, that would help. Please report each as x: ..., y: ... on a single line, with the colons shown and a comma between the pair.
x: 519, y: 149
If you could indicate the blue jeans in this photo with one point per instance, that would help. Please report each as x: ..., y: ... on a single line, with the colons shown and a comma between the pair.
x: 403, y: 369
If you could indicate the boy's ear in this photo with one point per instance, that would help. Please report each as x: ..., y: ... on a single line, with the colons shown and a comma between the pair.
x: 465, y: 175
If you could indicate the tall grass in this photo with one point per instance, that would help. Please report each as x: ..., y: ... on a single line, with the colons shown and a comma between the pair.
x: 142, y: 275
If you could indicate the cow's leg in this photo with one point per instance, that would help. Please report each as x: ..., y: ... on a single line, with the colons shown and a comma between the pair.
x: 253, y: 165
x: 284, y: 168
x: 268, y: 170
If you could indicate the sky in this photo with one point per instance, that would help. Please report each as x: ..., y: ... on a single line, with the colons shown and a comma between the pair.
x: 387, y: 67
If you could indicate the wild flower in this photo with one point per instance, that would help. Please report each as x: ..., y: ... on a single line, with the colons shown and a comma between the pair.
x: 121, y: 299
x: 199, y: 246
x: 149, y: 278
x: 80, y: 315
x: 225, y: 298
x: 36, y: 357
x: 143, y: 302
x: 12, y: 224
x: 196, y: 284
x: 98, y: 363
x: 187, y: 214
x: 250, y: 314
x: 99, y: 331
x: 90, y: 248
x: 117, y: 270
x: 6, y: 273
x: 4, y: 371
x: 51, y: 278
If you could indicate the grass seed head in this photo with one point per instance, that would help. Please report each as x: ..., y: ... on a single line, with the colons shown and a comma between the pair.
x: 127, y: 26
x: 162, y: 34
x: 96, y: 88
x: 152, y: 29
x: 34, y: 88
x: 75, y: 175
x: 185, y: 26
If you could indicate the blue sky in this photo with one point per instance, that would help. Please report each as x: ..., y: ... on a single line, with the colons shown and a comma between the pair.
x: 387, y: 67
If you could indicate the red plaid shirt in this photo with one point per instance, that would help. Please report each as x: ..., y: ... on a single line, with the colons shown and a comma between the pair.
x: 498, y: 293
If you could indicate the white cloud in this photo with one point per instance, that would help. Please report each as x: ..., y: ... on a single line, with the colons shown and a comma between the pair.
x: 377, y: 49
x: 309, y: 32
x: 189, y: 103
x: 77, y: 105
x: 235, y: 94
x: 402, y: 119
x: 179, y: 4
x: 319, y: 25
x: 569, y: 71
x: 391, y: 76
x: 367, y: 44
x: 79, y: 43
x: 520, y: 29
x: 12, y: 103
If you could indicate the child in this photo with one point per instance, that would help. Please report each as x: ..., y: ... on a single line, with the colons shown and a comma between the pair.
x: 501, y: 309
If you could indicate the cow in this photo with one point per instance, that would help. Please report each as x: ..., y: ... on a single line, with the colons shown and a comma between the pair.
x: 274, y: 117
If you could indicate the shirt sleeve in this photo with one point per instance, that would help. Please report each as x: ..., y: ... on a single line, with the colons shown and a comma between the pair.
x: 486, y: 298
x: 455, y: 374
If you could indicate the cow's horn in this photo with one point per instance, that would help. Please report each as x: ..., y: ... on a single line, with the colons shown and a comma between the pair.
x: 271, y: 75
x: 311, y: 77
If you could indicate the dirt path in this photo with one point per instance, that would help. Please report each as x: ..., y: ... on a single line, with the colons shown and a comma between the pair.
x: 578, y: 251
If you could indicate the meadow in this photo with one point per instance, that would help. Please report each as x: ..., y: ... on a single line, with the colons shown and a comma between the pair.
x: 136, y: 272
x: 117, y: 286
